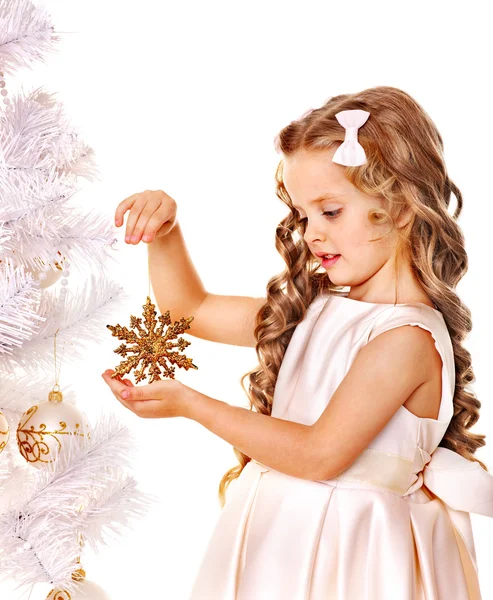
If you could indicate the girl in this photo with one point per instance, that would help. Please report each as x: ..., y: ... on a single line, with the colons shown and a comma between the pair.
x: 356, y: 470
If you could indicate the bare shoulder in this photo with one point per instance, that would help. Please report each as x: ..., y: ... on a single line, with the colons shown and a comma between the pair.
x: 413, y: 343
x: 227, y: 319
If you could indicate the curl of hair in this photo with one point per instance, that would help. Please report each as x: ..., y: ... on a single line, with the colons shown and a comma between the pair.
x: 405, y: 167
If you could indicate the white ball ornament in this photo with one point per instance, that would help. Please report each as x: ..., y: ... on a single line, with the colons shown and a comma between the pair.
x: 4, y: 432
x: 86, y: 590
x: 43, y: 430
x: 46, y: 278
x: 46, y: 275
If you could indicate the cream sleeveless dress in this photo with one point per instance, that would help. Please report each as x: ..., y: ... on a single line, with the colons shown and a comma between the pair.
x: 375, y: 532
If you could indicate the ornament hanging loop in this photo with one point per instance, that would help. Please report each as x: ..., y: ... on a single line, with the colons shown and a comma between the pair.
x: 55, y: 395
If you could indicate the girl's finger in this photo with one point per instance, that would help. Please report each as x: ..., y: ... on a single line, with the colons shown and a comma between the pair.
x: 116, y: 383
x: 125, y: 381
x: 147, y: 212
x: 133, y: 217
x: 122, y: 208
x: 161, y: 220
x: 116, y: 386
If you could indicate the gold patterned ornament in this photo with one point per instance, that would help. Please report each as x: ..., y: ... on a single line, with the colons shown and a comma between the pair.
x: 150, y: 346
x: 44, y: 427
x: 4, y: 432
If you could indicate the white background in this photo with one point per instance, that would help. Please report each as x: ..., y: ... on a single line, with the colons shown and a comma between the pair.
x: 188, y: 97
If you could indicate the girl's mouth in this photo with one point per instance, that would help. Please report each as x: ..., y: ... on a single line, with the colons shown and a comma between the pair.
x: 328, y: 262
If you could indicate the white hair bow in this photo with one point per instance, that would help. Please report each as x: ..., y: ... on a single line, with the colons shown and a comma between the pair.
x: 351, y: 152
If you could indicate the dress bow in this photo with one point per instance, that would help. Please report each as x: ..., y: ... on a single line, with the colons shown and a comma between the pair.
x: 464, y: 487
x: 351, y: 152
x: 462, y: 484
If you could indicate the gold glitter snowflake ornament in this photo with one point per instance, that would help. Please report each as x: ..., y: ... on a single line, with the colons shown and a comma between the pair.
x: 151, y: 346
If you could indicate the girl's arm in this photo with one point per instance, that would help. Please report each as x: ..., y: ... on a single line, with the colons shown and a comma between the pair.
x: 283, y: 445
x: 383, y: 375
x: 179, y: 289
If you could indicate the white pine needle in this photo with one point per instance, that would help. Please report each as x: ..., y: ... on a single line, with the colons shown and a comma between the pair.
x: 84, y: 491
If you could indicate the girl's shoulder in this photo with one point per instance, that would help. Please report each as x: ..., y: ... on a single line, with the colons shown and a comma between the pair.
x: 373, y: 318
x: 380, y: 317
x: 416, y: 313
x: 425, y: 317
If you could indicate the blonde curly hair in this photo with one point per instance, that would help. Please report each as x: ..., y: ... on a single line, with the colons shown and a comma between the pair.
x: 405, y: 166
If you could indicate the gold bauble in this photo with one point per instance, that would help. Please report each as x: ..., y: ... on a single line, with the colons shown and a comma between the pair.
x: 4, y: 432
x: 44, y: 428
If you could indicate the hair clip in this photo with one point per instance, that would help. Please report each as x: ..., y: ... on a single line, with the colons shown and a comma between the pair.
x: 351, y: 153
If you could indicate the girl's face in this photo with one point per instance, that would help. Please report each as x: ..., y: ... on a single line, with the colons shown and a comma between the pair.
x: 316, y: 185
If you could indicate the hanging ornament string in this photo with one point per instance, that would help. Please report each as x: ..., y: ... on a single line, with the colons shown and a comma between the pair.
x: 149, y: 270
x: 56, y: 394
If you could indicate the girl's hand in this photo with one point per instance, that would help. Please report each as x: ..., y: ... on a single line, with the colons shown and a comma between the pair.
x: 152, y: 215
x: 160, y: 399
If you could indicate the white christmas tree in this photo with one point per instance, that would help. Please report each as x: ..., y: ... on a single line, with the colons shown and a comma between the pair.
x: 59, y: 490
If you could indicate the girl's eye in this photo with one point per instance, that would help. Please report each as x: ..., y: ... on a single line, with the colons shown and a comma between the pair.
x: 331, y: 214
x: 334, y: 213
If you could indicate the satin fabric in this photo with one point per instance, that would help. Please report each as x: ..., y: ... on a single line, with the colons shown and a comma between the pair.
x: 394, y: 525
x: 351, y: 153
